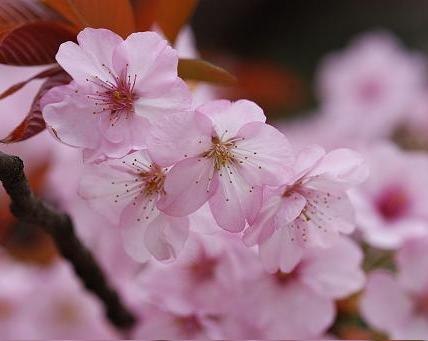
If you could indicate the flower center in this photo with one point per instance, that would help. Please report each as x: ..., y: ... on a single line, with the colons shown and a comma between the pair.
x: 392, y: 203
x: 114, y: 97
x: 221, y: 152
x: 153, y: 180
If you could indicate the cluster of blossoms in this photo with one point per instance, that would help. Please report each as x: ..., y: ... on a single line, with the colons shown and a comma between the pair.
x: 153, y: 160
x: 243, y: 234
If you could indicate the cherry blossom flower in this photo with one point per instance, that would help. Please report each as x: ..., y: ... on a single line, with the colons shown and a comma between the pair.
x: 200, y: 279
x: 391, y: 205
x: 300, y: 304
x: 160, y: 323
x: 397, y: 303
x: 47, y: 303
x: 205, y: 287
x: 225, y: 153
x: 119, y: 86
x: 127, y: 192
x: 370, y: 85
x: 309, y: 211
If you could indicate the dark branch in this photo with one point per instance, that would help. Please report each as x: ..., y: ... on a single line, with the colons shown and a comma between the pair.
x: 30, y: 209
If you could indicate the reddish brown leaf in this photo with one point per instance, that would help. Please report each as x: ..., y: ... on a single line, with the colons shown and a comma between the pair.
x: 44, y: 74
x: 15, y: 13
x: 145, y: 14
x: 200, y: 70
x: 34, y: 122
x: 34, y: 43
x: 172, y: 15
x: 115, y: 15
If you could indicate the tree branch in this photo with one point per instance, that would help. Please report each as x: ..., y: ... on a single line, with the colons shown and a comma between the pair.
x: 30, y: 209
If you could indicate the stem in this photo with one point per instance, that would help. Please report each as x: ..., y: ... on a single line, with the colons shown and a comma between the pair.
x: 29, y: 209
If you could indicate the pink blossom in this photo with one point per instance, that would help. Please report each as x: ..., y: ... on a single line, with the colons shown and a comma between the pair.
x: 206, y: 278
x: 47, y: 303
x: 391, y: 205
x: 159, y: 323
x: 207, y: 286
x: 127, y: 192
x: 309, y: 211
x: 119, y: 87
x: 300, y: 304
x: 225, y: 153
x: 397, y: 304
x: 370, y: 85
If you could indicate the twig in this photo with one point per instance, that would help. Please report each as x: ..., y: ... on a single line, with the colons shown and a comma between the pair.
x: 30, y: 209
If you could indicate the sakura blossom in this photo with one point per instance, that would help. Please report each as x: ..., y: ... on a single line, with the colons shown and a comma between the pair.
x: 396, y: 303
x: 371, y: 84
x: 391, y: 205
x: 223, y: 153
x: 127, y: 192
x: 167, y: 201
x: 119, y: 86
x: 309, y: 211
x: 300, y: 304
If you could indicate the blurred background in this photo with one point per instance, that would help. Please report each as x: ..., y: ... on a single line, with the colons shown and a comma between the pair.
x: 275, y: 46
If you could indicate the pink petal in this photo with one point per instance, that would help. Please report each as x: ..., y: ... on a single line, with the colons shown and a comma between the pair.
x: 342, y: 166
x: 234, y: 201
x: 165, y: 237
x: 228, y: 117
x: 295, y: 312
x: 277, y: 212
x: 265, y: 153
x: 291, y: 207
x: 334, y: 272
x: 84, y: 61
x: 188, y: 185
x: 70, y: 115
x: 147, y: 55
x: 411, y: 259
x: 178, y: 136
x: 134, y: 242
x: 111, y: 186
x: 172, y: 98
x: 306, y: 160
x: 280, y: 253
x: 329, y: 211
x: 384, y: 305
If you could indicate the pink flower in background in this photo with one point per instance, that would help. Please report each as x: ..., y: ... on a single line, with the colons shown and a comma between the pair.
x: 371, y: 85
x: 169, y: 325
x: 206, y: 278
x: 398, y: 304
x: 226, y: 153
x: 300, y: 304
x: 47, y: 303
x: 310, y: 211
x: 127, y: 192
x: 391, y: 206
x: 207, y: 287
x: 119, y: 87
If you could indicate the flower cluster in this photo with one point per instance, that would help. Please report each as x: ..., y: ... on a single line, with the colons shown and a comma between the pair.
x: 246, y: 231
x: 153, y: 159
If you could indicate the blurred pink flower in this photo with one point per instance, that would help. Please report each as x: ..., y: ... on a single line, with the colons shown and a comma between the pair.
x: 164, y: 324
x: 206, y: 277
x: 398, y: 304
x: 127, y: 192
x: 226, y: 153
x: 391, y: 206
x: 119, y: 87
x: 300, y: 304
x: 310, y: 211
x: 47, y: 303
x: 370, y: 85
